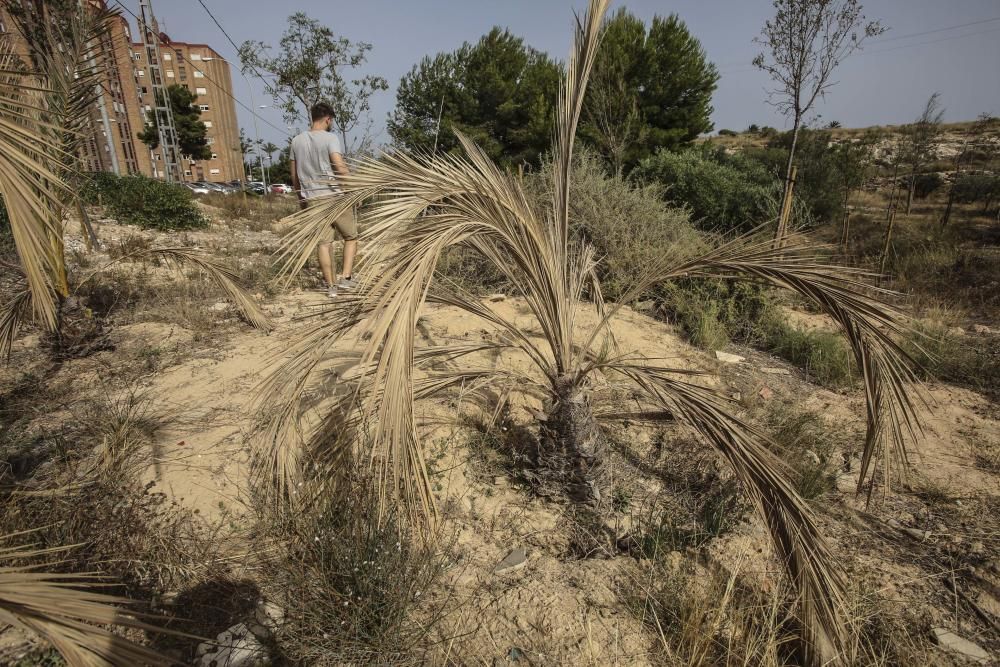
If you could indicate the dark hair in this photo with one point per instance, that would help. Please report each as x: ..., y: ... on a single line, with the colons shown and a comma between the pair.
x: 320, y: 111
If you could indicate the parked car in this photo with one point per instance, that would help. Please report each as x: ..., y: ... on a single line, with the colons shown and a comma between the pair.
x: 256, y: 187
x: 197, y: 188
x: 281, y: 189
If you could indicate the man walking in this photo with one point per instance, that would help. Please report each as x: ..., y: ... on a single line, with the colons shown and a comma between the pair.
x: 316, y: 162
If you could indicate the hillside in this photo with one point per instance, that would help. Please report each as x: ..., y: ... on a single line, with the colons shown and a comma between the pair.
x: 516, y: 576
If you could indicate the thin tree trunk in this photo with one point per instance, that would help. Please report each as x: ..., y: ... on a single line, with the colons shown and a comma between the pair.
x: 886, y: 245
x: 909, y: 193
x: 88, y: 230
x: 779, y: 234
x: 847, y: 221
x: 892, y: 195
x: 947, y: 209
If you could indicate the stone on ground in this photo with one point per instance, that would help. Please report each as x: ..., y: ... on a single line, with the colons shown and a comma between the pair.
x: 725, y: 357
x: 949, y: 641
x: 515, y: 560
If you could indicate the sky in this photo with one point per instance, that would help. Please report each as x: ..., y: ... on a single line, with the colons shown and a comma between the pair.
x: 946, y: 46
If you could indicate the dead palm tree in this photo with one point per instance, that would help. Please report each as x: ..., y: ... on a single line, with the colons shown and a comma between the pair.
x: 421, y: 205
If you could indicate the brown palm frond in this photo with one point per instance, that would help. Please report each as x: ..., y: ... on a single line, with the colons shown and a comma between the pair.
x: 871, y: 326
x: 227, y: 279
x: 799, y: 545
x: 67, y: 611
x: 12, y: 314
x: 30, y: 183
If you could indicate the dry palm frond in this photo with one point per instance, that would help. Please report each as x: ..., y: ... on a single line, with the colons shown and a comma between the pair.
x: 224, y: 276
x: 67, y: 611
x: 421, y: 205
x: 11, y: 315
x: 220, y: 273
x: 30, y: 184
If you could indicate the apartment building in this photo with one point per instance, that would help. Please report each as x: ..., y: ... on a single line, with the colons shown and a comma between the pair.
x: 121, y: 110
x: 205, y: 73
x: 108, y: 144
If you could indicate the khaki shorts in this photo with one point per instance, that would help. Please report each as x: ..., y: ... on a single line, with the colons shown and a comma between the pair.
x: 346, y: 225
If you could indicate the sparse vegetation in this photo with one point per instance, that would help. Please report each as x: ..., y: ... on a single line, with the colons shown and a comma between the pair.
x: 471, y: 465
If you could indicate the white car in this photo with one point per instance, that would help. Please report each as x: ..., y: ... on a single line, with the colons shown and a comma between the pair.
x: 197, y: 188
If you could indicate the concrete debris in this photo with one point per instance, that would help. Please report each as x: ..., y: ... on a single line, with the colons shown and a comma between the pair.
x: 727, y: 358
x: 949, y: 641
x: 235, y: 647
x: 515, y: 560
x: 776, y: 371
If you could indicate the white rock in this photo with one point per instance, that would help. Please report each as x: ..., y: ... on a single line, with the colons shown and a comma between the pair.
x: 949, y: 641
x: 515, y: 560
x: 269, y: 615
x: 776, y: 371
x: 981, y: 329
x: 235, y: 647
x: 219, y: 306
x: 728, y: 358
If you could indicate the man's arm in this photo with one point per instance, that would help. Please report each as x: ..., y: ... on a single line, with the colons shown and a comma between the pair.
x: 339, y: 164
x: 295, y: 178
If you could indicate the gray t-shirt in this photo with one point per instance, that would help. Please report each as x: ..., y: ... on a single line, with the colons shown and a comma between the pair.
x: 311, y: 151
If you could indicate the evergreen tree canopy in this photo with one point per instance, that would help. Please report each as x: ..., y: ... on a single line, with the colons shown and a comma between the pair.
x: 191, y: 132
x: 650, y: 89
x: 498, y: 91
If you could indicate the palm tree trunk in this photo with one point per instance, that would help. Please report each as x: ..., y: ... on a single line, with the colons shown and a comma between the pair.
x: 572, y: 434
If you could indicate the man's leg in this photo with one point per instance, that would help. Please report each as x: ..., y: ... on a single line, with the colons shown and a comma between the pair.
x: 325, y: 254
x: 350, y: 250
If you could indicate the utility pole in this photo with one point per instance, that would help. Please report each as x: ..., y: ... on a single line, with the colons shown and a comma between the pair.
x: 161, y: 99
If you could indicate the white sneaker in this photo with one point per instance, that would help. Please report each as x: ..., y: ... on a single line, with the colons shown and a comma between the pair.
x: 347, y: 284
x: 332, y: 292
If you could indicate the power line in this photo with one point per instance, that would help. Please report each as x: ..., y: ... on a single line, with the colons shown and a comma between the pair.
x: 237, y: 49
x: 896, y: 48
x: 929, y: 32
x: 141, y: 23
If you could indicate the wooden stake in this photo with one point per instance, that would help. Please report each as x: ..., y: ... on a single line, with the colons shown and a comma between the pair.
x: 888, y: 241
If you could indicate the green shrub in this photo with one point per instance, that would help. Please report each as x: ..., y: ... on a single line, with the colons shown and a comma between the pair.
x: 713, y: 313
x: 727, y: 133
x: 146, y: 202
x: 977, y: 189
x: 924, y: 185
x: 970, y: 361
x: 824, y: 355
x: 808, y: 446
x: 723, y: 193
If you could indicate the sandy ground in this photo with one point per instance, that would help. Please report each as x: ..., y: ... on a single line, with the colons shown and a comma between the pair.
x: 557, y: 610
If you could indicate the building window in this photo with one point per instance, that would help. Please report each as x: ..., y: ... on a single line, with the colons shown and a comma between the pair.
x: 199, y: 75
x: 201, y: 91
x: 209, y: 141
x: 208, y: 124
x: 195, y: 56
x: 141, y: 73
x: 149, y: 108
x: 203, y: 107
x: 215, y: 156
x: 187, y: 172
x: 214, y: 172
x: 167, y: 56
x: 170, y: 73
x: 183, y: 71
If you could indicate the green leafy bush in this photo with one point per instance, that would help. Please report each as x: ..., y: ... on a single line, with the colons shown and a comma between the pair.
x: 977, y: 189
x: 723, y: 193
x: 146, y: 202
x: 924, y: 185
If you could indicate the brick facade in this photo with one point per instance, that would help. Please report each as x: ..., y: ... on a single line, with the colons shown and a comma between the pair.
x: 119, y: 115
